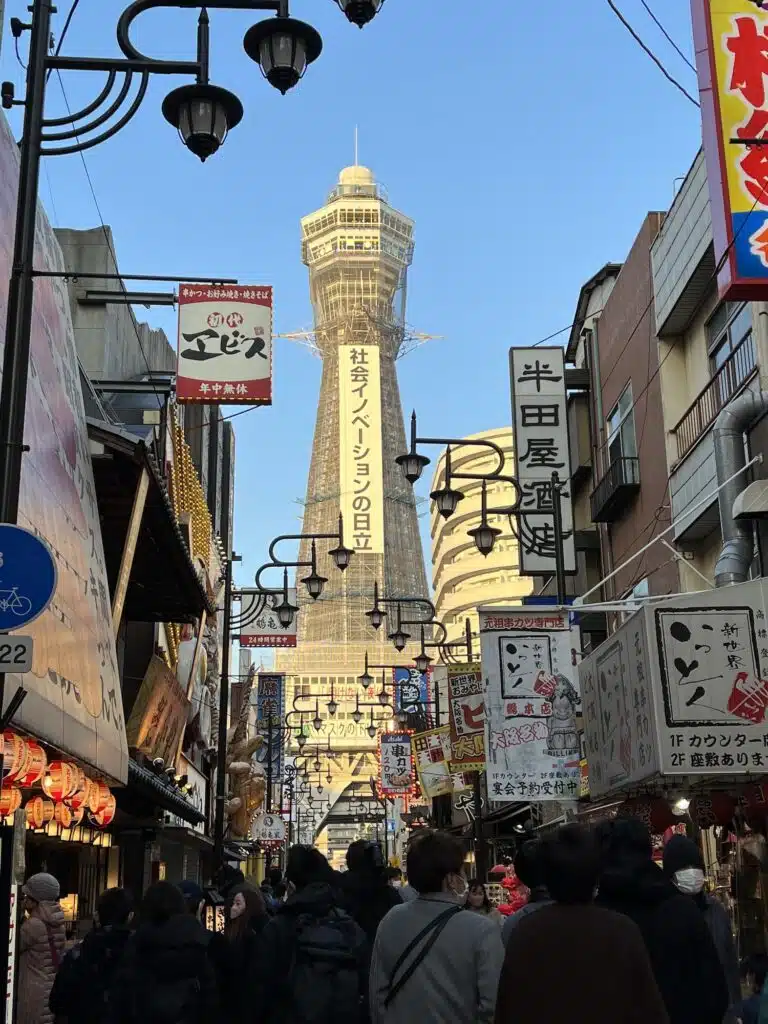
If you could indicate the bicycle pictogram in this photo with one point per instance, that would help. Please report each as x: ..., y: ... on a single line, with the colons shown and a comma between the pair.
x: 12, y: 601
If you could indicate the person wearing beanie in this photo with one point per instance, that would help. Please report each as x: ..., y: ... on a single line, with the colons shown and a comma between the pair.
x: 684, y: 867
x: 41, y: 948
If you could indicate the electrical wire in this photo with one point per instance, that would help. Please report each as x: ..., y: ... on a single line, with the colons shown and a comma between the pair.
x: 651, y: 54
x: 667, y: 36
x: 62, y: 37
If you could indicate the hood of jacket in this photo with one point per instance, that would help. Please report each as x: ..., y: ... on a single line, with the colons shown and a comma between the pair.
x: 317, y: 899
x: 105, y: 944
x: 175, y: 949
x: 629, y: 885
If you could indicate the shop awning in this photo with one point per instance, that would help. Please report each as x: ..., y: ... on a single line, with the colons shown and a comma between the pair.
x: 163, y: 585
x: 143, y: 782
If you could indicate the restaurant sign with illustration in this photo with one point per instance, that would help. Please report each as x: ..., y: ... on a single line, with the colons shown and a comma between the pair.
x: 680, y: 689
x: 396, y: 767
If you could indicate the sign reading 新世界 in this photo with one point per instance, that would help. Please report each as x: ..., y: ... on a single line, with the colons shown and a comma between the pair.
x: 224, y: 344
x: 680, y: 689
x: 261, y: 626
x: 360, y: 448
x: 541, y: 449
x: 467, y: 718
x: 532, y: 704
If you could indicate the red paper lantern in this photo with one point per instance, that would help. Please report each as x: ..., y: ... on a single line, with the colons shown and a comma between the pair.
x: 10, y: 800
x: 81, y: 796
x: 15, y: 756
x: 37, y: 761
x: 107, y: 814
x: 98, y: 798
x: 39, y: 811
x: 712, y: 809
x: 60, y: 781
x: 62, y: 815
x: 654, y: 812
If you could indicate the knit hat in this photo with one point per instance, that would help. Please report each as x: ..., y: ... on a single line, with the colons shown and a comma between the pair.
x: 191, y: 891
x: 42, y: 887
x: 679, y: 853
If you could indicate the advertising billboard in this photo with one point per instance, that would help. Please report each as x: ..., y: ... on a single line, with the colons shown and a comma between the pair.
x: 731, y: 41
x: 467, y: 718
x: 360, y: 448
x: 261, y: 626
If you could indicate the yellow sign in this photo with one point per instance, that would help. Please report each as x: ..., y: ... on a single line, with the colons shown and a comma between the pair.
x: 361, y: 475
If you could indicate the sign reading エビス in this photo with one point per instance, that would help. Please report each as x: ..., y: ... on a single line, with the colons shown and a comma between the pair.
x: 541, y: 448
x: 680, y: 689
x: 225, y: 345
x: 731, y: 38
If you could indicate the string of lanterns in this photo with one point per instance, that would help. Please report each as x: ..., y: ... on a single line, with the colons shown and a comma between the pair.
x: 67, y: 792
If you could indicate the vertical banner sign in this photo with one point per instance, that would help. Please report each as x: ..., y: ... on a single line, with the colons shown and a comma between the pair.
x: 411, y: 690
x: 467, y: 718
x: 362, y: 479
x: 261, y: 626
x: 731, y: 40
x: 225, y: 345
x: 532, y: 704
x: 270, y: 710
x: 541, y: 449
x: 432, y: 752
x: 396, y: 773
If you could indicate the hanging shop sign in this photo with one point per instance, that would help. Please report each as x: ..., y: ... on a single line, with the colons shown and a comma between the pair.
x: 268, y: 828
x: 74, y: 700
x: 541, y: 448
x: 467, y: 718
x: 270, y: 712
x: 411, y: 690
x: 361, y: 471
x: 731, y: 40
x: 225, y: 344
x: 260, y: 624
x: 432, y: 752
x: 396, y: 769
x: 681, y: 689
x: 532, y: 704
x: 159, y: 716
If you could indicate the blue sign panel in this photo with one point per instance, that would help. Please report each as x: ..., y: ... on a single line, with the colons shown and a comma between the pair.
x: 412, y: 690
x: 27, y: 577
x: 270, y: 710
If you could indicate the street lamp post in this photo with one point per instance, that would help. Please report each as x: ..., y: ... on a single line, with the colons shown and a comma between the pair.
x: 221, y: 751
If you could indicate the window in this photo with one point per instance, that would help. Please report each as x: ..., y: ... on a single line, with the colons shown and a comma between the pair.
x: 621, y: 429
x: 730, y: 325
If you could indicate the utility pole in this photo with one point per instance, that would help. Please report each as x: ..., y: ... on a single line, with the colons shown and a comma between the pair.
x: 221, y: 752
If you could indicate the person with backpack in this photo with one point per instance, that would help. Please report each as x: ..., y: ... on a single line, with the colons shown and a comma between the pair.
x: 41, y: 948
x: 165, y: 976
x: 433, y: 961
x: 314, y: 955
x: 79, y: 993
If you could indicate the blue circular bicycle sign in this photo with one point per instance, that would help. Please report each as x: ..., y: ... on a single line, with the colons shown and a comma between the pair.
x: 27, y: 577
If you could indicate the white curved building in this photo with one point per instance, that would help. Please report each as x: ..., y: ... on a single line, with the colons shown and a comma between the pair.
x: 462, y: 578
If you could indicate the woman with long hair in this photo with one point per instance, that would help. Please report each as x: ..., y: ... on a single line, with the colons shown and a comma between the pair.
x: 477, y: 901
x: 238, y: 953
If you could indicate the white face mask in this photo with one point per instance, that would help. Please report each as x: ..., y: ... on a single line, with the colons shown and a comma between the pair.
x: 689, y: 880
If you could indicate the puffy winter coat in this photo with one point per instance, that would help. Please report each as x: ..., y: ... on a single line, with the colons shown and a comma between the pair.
x: 42, y: 950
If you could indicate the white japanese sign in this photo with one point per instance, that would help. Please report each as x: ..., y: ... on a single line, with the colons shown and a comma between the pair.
x: 225, y: 345
x: 532, y: 704
x: 396, y: 768
x: 682, y: 689
x: 541, y: 449
x: 268, y: 828
x: 360, y: 448
x: 260, y: 624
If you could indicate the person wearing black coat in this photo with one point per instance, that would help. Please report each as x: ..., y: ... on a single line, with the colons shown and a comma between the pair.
x: 685, y: 961
x: 236, y: 953
x: 366, y: 894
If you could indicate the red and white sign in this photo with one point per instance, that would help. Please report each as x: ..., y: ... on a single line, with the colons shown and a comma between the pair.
x: 397, y: 775
x: 225, y: 345
x: 260, y: 624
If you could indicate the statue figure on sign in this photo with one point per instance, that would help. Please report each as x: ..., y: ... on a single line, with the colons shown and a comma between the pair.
x: 247, y: 779
x: 563, y: 734
x: 209, y: 691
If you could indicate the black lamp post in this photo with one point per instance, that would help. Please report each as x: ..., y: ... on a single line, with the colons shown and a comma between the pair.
x: 314, y: 582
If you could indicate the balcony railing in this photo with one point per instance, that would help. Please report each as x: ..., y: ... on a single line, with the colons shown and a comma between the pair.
x: 615, y: 490
x: 738, y: 368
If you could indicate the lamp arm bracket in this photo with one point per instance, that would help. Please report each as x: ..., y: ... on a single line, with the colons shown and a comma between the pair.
x: 77, y: 131
x: 80, y: 147
x: 57, y: 122
x: 460, y: 443
x: 296, y: 536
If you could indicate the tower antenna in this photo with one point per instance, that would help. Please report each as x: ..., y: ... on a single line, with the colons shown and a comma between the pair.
x: 356, y: 161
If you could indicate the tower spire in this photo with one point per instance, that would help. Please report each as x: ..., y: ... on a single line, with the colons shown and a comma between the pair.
x: 357, y: 162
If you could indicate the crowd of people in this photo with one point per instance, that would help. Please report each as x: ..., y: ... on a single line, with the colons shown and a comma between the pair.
x: 607, y: 935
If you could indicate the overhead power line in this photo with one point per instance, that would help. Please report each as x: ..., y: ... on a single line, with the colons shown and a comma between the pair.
x: 667, y: 36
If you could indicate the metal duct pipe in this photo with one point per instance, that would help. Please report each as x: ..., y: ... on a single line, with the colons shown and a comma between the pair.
x: 728, y: 434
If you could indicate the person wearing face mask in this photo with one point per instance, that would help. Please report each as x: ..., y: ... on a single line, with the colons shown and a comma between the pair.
x: 684, y: 867
x: 431, y: 960
x: 477, y: 901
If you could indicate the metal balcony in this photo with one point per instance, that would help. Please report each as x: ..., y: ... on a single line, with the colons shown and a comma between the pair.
x: 615, y: 490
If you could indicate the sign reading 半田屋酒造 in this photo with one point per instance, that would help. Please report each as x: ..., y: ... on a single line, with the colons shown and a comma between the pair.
x: 225, y: 344
x: 731, y: 39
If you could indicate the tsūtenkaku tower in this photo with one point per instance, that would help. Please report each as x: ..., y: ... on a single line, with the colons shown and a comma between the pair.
x: 358, y: 250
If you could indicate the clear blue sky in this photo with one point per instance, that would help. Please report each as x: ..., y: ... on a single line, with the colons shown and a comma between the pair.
x: 527, y: 142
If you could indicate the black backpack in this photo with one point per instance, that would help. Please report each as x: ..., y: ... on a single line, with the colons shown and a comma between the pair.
x: 326, y: 983
x: 158, y: 1000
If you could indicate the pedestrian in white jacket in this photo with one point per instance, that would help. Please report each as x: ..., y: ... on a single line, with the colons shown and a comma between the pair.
x: 434, y: 961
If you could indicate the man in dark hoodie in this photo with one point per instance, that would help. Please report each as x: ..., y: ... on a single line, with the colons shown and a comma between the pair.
x: 166, y: 976
x: 366, y: 892
x: 683, y: 956
x: 314, y: 956
x: 79, y: 993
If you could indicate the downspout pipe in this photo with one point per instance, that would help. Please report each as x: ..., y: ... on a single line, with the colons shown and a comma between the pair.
x: 728, y: 432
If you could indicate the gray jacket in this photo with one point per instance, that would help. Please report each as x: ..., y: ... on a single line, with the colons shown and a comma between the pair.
x: 456, y: 983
